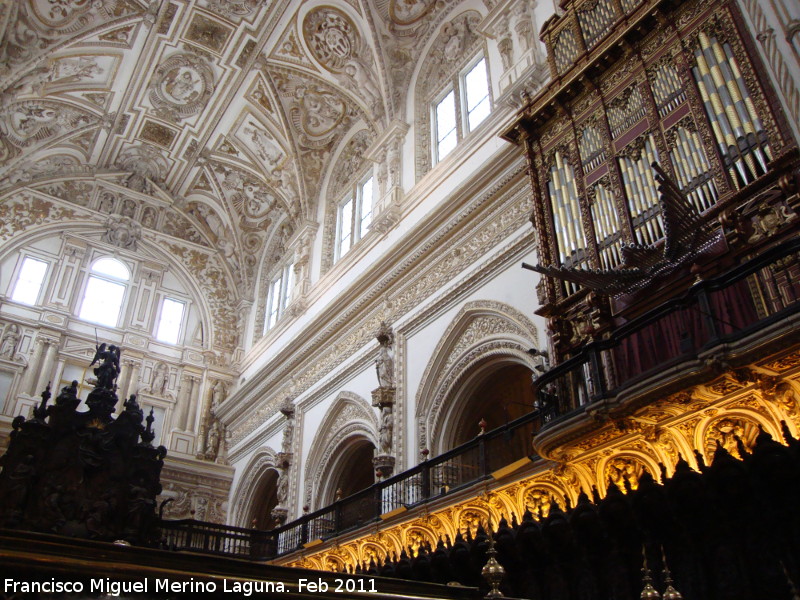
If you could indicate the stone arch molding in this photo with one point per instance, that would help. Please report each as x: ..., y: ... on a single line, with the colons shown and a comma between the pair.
x: 263, y: 460
x: 349, y: 417
x: 483, y: 333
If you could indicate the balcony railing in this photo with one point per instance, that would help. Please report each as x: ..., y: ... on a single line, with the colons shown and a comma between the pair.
x: 431, y: 480
x: 718, y: 311
x: 213, y: 538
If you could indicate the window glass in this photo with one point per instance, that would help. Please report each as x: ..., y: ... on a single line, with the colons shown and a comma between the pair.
x: 367, y: 190
x: 287, y: 296
x: 274, y: 302
x: 29, y: 281
x: 446, y: 137
x: 102, y: 301
x: 112, y: 268
x: 346, y: 221
x: 169, y: 324
x: 476, y: 89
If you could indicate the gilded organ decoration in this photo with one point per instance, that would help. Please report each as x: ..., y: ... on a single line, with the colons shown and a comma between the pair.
x: 181, y: 86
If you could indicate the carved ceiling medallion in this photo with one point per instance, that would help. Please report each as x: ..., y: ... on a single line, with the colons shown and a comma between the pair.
x: 318, y: 112
x: 182, y: 85
x: 407, y: 12
x: 61, y: 14
x: 332, y: 37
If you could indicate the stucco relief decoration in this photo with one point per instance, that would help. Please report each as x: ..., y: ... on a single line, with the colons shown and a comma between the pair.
x: 237, y: 8
x: 122, y: 231
x: 32, y: 122
x: 335, y: 42
x: 253, y: 199
x: 40, y: 24
x: 408, y: 12
x: 54, y: 165
x: 262, y: 144
x: 146, y: 166
x: 317, y: 112
x: 181, y: 86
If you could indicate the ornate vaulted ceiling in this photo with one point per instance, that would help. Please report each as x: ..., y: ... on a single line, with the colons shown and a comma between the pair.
x: 229, y: 114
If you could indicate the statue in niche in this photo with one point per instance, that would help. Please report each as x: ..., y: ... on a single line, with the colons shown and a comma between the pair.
x: 385, y: 362
x: 8, y: 345
x: 160, y: 379
x: 128, y: 208
x: 149, y: 217
x: 387, y: 424
x: 216, y: 438
x: 283, y: 487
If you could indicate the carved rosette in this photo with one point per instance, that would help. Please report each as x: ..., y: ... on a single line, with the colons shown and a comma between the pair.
x: 181, y: 86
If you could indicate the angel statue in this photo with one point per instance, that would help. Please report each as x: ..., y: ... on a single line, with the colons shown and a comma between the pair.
x: 108, y: 370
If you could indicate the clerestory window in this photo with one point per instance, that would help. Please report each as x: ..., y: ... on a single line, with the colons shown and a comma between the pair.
x: 461, y: 107
x: 279, y: 295
x: 354, y: 215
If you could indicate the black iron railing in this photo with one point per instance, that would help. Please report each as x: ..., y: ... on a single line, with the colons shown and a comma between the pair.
x: 744, y: 301
x: 432, y: 479
x: 213, y: 538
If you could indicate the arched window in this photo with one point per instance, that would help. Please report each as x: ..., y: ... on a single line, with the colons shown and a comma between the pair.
x: 105, y: 292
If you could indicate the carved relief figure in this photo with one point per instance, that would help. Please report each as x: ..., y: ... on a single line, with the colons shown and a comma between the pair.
x: 387, y: 424
x: 149, y: 217
x: 265, y: 146
x: 160, y: 379
x: 385, y: 362
x: 8, y: 346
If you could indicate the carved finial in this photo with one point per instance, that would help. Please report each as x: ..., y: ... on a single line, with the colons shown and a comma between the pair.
x: 648, y: 591
x: 493, y: 572
x: 670, y: 593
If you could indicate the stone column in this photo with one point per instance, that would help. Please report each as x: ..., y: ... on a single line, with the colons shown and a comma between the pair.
x: 31, y: 372
x: 46, y: 368
x: 193, y: 402
x: 183, y: 402
x: 133, y: 377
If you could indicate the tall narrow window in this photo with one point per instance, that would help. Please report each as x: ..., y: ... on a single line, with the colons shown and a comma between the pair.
x: 274, y: 301
x: 355, y: 216
x: 279, y: 295
x: 476, y: 92
x: 460, y: 107
x: 446, y: 137
x: 169, y: 323
x: 105, y: 291
x: 29, y: 281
